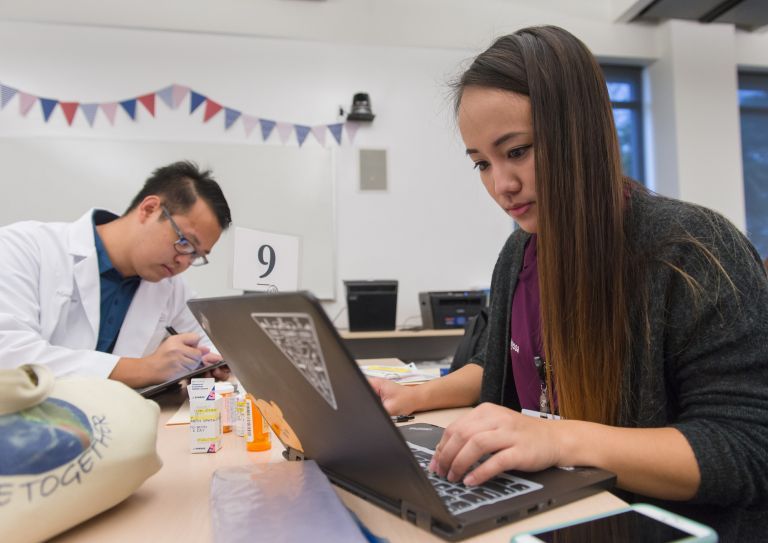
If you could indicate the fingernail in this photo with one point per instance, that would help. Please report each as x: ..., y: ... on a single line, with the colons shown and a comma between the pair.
x: 432, y: 466
x: 451, y: 477
x: 470, y: 480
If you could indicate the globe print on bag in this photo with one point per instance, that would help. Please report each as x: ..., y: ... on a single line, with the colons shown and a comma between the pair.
x: 42, y: 437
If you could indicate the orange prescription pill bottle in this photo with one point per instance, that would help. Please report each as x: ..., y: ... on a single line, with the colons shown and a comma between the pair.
x: 256, y: 430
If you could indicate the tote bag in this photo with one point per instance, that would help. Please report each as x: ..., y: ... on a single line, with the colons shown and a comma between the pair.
x: 69, y: 449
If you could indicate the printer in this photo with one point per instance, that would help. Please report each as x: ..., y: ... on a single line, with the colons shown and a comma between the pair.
x: 371, y: 304
x: 450, y: 309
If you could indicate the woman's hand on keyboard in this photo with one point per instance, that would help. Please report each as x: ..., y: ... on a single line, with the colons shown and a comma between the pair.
x: 512, y: 441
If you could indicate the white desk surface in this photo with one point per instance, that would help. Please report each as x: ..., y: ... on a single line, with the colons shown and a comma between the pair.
x: 172, y: 506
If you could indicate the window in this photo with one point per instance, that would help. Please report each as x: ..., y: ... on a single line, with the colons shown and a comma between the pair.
x: 625, y: 90
x: 753, y: 104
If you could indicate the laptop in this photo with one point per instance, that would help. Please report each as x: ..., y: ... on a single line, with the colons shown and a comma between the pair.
x: 287, y: 353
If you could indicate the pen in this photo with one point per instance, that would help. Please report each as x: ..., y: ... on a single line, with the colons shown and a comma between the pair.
x: 402, y: 418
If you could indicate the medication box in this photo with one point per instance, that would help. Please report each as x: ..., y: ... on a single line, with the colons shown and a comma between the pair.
x: 204, y: 416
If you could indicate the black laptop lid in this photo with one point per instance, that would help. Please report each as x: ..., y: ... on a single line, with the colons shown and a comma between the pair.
x: 287, y: 353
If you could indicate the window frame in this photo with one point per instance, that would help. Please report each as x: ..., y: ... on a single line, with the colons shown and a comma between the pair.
x: 634, y: 76
x: 759, y: 80
x: 756, y: 79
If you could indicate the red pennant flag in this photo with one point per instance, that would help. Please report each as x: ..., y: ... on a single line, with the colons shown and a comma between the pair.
x: 211, y: 109
x: 148, y: 101
x: 69, y: 109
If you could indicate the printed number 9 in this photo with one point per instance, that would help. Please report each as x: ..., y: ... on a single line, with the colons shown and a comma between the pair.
x: 269, y: 262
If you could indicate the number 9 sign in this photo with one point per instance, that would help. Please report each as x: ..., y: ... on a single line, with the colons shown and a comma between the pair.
x: 268, y: 260
x: 265, y: 261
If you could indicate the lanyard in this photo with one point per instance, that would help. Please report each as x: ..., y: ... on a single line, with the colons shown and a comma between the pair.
x: 541, y: 369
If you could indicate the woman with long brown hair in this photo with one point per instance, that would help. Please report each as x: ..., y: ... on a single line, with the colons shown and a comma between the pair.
x: 638, y: 319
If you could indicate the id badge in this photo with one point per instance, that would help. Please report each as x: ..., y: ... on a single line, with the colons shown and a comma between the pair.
x: 539, y: 414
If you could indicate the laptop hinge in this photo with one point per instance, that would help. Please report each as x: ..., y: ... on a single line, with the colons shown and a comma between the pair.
x: 414, y: 515
x: 292, y: 454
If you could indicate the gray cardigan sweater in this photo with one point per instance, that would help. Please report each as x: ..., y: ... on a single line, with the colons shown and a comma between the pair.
x: 707, y: 370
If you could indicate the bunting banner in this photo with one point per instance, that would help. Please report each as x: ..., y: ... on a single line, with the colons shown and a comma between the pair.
x: 172, y: 97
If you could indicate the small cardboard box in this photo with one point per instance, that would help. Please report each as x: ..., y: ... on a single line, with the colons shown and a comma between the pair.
x: 204, y: 416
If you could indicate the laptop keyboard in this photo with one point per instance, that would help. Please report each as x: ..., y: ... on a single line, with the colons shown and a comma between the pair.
x: 460, y: 498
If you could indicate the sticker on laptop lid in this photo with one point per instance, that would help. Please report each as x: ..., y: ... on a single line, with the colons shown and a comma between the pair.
x: 276, y: 420
x: 294, y: 334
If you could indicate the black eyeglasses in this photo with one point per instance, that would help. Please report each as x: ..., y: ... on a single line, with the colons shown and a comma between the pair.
x: 182, y: 245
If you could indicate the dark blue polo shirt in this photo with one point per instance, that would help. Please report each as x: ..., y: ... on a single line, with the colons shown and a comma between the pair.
x: 116, y: 291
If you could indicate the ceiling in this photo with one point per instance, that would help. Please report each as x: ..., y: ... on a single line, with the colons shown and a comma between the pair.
x: 745, y: 14
x: 466, y: 24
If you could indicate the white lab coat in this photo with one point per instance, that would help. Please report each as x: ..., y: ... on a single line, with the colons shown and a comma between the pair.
x: 50, y: 302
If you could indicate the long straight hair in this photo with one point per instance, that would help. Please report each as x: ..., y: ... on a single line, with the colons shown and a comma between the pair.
x: 581, y: 200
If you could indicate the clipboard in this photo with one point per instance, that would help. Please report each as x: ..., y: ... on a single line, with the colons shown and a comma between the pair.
x: 152, y: 390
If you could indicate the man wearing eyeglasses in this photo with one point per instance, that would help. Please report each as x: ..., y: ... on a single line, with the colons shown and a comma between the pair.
x: 96, y: 296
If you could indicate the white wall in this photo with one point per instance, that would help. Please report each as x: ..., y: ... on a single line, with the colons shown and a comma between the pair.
x: 297, y: 61
x: 697, y: 141
x: 752, y: 49
x: 435, y: 228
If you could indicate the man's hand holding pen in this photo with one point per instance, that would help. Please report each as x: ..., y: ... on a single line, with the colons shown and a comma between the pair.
x: 178, y: 354
x: 185, y: 351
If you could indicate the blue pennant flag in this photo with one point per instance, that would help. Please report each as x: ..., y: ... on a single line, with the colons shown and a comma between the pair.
x: 6, y: 93
x: 130, y: 107
x: 301, y: 133
x: 230, y: 116
x: 266, y: 128
x: 90, y: 112
x: 195, y: 100
x: 336, y: 131
x: 166, y: 95
x: 48, y: 105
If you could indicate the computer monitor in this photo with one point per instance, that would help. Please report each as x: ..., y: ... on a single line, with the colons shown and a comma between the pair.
x: 371, y: 304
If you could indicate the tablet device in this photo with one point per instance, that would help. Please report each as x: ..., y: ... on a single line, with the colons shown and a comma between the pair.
x: 639, y: 523
x: 151, y: 390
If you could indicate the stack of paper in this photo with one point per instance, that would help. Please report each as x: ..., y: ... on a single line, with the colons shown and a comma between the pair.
x: 405, y: 374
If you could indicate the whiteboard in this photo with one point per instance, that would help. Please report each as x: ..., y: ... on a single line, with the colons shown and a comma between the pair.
x: 280, y: 189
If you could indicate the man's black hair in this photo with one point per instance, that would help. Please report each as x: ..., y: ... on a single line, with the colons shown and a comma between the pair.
x: 179, y: 185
